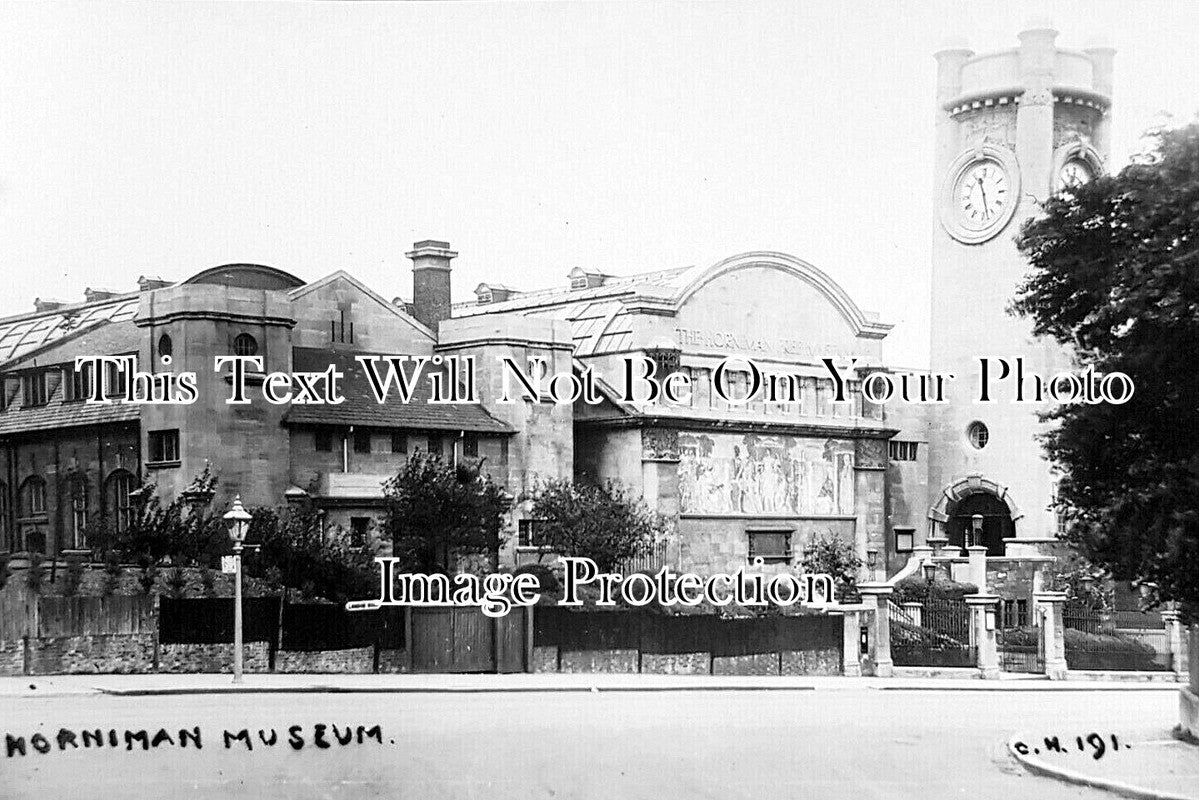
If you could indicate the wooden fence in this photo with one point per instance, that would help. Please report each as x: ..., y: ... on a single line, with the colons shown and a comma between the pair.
x: 23, y: 613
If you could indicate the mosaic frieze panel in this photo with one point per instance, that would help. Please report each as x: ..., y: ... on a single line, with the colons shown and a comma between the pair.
x: 762, y: 475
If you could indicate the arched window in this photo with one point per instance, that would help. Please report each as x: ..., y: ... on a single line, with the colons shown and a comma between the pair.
x: 118, y: 489
x: 78, y: 509
x: 165, y: 346
x: 245, y: 345
x: 33, y: 497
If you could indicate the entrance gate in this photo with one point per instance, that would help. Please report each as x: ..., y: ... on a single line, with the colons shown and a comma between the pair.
x: 452, y: 639
x: 938, y: 636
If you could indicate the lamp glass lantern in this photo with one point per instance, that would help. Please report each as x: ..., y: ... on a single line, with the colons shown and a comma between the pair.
x: 930, y: 571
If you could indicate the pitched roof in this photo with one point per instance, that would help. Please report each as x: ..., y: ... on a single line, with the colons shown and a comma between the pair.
x: 59, y: 413
x: 22, y: 334
x: 360, y: 407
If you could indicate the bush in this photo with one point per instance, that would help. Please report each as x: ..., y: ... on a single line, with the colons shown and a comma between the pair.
x: 74, y: 576
x: 176, y: 582
x: 546, y: 579
x: 916, y: 590
x: 35, y: 575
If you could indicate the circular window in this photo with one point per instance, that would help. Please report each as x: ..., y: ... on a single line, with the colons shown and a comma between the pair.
x: 978, y: 435
x: 245, y: 345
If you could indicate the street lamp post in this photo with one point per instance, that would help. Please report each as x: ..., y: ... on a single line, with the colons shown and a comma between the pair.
x: 238, y: 520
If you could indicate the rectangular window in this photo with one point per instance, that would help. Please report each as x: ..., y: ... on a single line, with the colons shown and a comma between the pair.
x: 399, y: 442
x: 902, y: 451
x: 701, y: 388
x: 34, y: 386
x: 773, y: 547
x: 114, y: 380
x: 359, y: 530
x: 905, y: 540
x: 323, y: 440
x: 470, y: 445
x: 362, y: 441
x: 164, y: 445
x: 1021, y: 612
x: 436, y: 447
x: 78, y: 383
x: 822, y: 397
x: 527, y: 534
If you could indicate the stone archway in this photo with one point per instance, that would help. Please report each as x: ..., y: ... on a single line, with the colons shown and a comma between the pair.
x: 952, y: 516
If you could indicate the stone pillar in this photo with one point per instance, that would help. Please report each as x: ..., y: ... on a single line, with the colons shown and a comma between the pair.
x: 1188, y: 701
x: 938, y: 543
x: 851, y: 652
x: 878, y: 595
x: 978, y: 567
x: 982, y: 609
x: 1048, y: 605
x: 1171, y: 619
x: 915, y: 612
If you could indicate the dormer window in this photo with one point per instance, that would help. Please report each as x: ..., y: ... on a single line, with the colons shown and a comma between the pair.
x: 34, y: 391
x: 579, y: 282
x: 484, y: 297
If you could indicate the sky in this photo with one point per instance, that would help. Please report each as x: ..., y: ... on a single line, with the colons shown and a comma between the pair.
x: 165, y: 138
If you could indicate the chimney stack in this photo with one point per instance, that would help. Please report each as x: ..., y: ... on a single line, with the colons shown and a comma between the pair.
x: 431, y: 281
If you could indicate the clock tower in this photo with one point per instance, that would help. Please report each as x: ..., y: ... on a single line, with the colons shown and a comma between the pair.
x: 1012, y: 127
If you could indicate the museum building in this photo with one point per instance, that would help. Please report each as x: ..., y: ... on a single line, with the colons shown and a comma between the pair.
x: 739, y: 481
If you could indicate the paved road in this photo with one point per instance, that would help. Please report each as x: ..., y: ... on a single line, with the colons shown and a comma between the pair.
x: 829, y: 743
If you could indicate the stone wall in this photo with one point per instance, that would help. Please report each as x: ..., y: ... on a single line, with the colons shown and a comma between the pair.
x: 791, y: 662
x: 211, y: 657
x: 12, y: 658
x: 1016, y: 577
x: 355, y: 660
x: 76, y: 655
x: 394, y: 662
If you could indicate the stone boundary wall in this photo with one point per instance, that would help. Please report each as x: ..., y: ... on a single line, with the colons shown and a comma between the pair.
x: 355, y: 660
x: 12, y: 658
x: 212, y: 657
x: 791, y: 662
x: 90, y: 655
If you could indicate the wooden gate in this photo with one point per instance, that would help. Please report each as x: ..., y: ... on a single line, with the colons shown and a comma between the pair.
x: 448, y: 639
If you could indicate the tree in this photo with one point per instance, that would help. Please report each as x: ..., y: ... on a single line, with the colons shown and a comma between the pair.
x: 602, y: 523
x: 185, y: 530
x: 297, y: 552
x: 832, y: 555
x: 1115, y: 278
x: 438, y: 513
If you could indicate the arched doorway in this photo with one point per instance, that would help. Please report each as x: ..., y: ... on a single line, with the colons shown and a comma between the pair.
x: 996, y: 520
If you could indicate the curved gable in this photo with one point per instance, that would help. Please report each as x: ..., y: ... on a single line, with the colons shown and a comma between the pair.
x: 247, y: 276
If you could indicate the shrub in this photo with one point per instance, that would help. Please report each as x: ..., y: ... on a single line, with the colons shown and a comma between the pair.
x: 74, y: 576
x: 35, y: 576
x: 916, y: 590
x: 546, y: 579
x: 208, y: 581
x: 176, y: 582
x: 112, y: 576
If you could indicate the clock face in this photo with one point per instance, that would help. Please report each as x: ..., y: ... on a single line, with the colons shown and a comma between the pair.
x: 983, y: 194
x: 1075, y: 172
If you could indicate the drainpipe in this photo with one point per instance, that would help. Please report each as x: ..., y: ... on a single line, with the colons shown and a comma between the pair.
x: 345, y: 450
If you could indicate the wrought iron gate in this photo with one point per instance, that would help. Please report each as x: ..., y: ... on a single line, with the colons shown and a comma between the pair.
x: 939, y: 636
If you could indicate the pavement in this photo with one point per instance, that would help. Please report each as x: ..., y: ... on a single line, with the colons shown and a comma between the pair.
x: 881, y: 737
x: 191, y: 683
